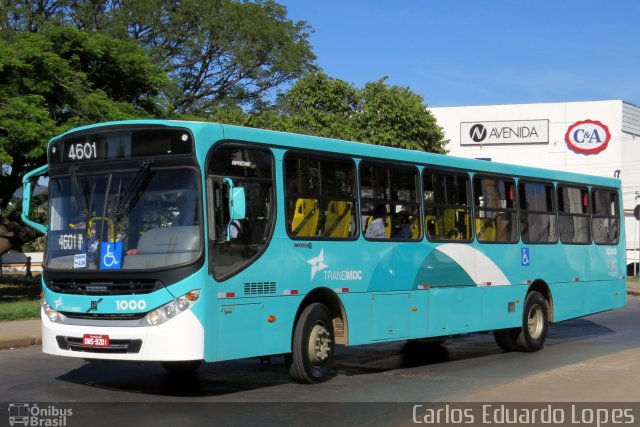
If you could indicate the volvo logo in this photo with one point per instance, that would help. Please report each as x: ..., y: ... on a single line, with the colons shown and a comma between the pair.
x: 94, y: 305
x: 478, y: 133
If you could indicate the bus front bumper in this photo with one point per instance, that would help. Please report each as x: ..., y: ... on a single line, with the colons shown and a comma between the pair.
x: 178, y: 339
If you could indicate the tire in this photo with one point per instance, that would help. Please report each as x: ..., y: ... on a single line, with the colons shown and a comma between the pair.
x: 182, y: 368
x: 313, y: 345
x: 535, y: 325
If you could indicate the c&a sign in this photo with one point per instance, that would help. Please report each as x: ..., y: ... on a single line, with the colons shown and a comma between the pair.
x: 588, y: 136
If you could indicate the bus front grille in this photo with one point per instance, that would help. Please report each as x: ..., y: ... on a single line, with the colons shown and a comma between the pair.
x: 100, y: 316
x: 89, y: 287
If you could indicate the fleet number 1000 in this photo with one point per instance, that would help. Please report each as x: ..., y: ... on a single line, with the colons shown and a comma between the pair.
x: 131, y: 305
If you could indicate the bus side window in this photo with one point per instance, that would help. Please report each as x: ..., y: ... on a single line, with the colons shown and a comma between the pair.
x: 573, y: 215
x: 495, y: 206
x: 605, y: 221
x: 390, y: 195
x: 537, y: 212
x: 320, y: 197
x: 249, y: 168
x: 446, y: 204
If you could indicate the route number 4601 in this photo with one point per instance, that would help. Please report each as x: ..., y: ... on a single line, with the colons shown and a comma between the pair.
x: 82, y: 151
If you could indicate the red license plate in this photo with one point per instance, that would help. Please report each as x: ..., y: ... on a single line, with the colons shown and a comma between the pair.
x: 100, y: 341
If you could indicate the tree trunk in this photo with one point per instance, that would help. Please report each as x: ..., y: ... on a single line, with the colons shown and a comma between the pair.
x: 14, y: 234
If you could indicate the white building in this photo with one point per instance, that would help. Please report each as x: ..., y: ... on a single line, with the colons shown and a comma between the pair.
x: 598, y: 138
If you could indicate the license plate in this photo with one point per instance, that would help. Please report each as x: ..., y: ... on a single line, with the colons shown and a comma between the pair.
x: 100, y: 341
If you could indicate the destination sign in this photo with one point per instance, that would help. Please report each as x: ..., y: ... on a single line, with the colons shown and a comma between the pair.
x: 118, y: 144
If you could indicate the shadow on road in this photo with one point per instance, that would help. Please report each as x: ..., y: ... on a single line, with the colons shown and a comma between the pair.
x: 227, y: 378
x: 576, y: 329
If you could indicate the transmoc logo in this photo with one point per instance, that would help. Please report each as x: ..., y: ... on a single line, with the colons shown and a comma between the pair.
x: 317, y: 264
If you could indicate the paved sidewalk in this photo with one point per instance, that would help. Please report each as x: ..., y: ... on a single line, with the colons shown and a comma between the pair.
x: 19, y: 333
x: 25, y: 333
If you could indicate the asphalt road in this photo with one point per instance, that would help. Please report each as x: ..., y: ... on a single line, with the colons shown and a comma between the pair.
x: 593, y: 359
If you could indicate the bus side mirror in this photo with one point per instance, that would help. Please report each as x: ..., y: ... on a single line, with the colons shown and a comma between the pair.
x: 26, y: 198
x: 237, y: 205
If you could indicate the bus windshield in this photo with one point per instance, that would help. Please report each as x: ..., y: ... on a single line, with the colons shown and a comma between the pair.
x: 142, y: 219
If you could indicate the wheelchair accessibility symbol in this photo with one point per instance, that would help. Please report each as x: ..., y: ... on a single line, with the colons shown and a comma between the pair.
x: 526, y: 258
x: 110, y: 255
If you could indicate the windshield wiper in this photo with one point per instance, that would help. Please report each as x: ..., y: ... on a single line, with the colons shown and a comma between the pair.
x: 133, y: 193
x: 78, y: 193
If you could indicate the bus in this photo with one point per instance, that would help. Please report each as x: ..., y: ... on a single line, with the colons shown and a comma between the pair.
x: 188, y: 242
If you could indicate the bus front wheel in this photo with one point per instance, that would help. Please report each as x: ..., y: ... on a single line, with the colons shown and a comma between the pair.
x: 313, y: 345
x: 535, y: 325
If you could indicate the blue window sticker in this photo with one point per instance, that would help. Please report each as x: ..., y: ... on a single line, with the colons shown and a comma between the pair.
x: 525, y: 257
x: 111, y: 255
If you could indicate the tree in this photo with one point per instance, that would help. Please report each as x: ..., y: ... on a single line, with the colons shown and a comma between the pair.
x: 376, y: 114
x: 396, y: 117
x: 320, y: 105
x: 219, y: 52
x: 58, y: 79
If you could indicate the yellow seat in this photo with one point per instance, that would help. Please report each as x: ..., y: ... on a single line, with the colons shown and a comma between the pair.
x: 451, y: 224
x: 486, y: 229
x: 338, y: 219
x: 305, y: 218
x: 414, y: 226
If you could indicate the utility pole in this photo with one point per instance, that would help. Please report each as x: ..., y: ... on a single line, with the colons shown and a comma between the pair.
x: 636, y: 213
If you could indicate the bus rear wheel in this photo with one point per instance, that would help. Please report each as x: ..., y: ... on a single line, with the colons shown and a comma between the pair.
x: 313, y: 345
x: 535, y: 325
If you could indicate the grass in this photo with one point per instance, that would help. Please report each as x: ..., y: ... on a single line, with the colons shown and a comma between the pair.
x: 19, y: 297
x: 19, y: 310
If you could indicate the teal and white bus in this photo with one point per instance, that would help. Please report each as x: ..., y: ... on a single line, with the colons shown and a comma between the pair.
x: 182, y: 242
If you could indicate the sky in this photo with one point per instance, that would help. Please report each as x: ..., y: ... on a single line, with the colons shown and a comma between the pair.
x: 482, y: 52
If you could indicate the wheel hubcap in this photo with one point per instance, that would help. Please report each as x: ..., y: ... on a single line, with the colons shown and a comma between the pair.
x: 535, y: 321
x: 319, y: 344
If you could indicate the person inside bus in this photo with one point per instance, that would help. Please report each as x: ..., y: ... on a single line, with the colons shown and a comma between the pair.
x: 186, y: 211
x: 402, y: 230
x: 376, y: 229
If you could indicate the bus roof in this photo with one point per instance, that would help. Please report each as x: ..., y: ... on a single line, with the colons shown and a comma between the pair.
x: 363, y: 150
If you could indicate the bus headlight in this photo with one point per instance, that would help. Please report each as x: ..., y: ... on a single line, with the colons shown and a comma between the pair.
x: 173, y: 308
x: 51, y: 313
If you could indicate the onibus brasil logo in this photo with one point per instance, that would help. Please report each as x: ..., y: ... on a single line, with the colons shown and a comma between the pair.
x: 27, y: 414
x: 318, y: 264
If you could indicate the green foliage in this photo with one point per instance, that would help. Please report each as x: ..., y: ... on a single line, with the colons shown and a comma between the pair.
x: 63, y: 77
x: 219, y: 52
x: 57, y: 79
x: 323, y: 106
x: 396, y: 117
x: 376, y: 114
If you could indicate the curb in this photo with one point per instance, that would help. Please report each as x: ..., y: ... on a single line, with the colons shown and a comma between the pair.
x: 19, y: 342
